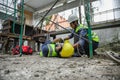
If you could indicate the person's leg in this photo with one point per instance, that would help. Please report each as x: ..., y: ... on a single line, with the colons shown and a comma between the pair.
x: 95, y: 46
x: 86, y: 47
x: 79, y: 50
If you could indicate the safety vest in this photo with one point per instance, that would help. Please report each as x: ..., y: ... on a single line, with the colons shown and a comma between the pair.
x: 80, y: 27
x: 51, y: 51
x: 94, y: 35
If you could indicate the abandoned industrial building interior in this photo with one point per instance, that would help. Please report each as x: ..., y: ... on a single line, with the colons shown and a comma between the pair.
x: 59, y: 39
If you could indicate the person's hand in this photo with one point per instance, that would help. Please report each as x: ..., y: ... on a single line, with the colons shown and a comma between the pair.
x: 66, y: 38
x: 61, y: 40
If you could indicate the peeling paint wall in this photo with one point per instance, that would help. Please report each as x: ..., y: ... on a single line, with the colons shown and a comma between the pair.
x: 108, y: 35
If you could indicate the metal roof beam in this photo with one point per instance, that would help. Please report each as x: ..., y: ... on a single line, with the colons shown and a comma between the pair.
x: 59, y: 9
x: 29, y: 8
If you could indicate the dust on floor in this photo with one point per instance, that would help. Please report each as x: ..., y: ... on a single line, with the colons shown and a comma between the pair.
x: 40, y: 68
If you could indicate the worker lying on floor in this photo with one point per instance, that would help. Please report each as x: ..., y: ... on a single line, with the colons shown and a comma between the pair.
x: 81, y: 30
x: 50, y: 49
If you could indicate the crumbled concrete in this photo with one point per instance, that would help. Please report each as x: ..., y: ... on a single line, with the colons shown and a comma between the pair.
x: 41, y: 68
x: 115, y: 46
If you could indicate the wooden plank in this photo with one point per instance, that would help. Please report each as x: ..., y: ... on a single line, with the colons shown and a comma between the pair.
x: 10, y: 35
x: 114, y: 56
x: 28, y: 17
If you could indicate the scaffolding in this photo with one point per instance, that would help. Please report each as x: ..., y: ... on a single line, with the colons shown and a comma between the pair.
x: 21, y: 11
x: 87, y: 14
x: 8, y: 10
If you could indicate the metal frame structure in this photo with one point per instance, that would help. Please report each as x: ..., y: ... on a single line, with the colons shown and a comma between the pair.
x: 87, y: 14
x: 48, y: 12
x: 8, y: 14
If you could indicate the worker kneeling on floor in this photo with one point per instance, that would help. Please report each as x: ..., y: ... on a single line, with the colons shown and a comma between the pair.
x: 51, y: 49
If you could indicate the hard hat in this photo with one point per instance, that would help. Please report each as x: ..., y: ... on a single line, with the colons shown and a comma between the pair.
x: 67, y: 50
x: 72, y: 18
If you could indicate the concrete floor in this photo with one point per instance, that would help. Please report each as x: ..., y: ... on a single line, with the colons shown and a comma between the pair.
x: 40, y: 68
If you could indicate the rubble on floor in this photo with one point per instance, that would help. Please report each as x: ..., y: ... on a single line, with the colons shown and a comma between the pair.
x: 34, y: 67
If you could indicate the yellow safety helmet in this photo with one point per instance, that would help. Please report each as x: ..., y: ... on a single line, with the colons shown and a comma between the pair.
x: 67, y: 50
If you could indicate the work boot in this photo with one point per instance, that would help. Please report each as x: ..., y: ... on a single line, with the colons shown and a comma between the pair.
x: 76, y: 55
x: 94, y: 53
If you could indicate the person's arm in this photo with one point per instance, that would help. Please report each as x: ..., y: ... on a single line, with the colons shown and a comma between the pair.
x: 56, y: 40
x: 75, y: 45
x: 83, y: 33
x: 60, y: 39
x: 70, y: 36
x: 66, y: 38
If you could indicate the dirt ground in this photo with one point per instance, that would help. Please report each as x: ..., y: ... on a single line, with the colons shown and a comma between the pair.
x: 34, y: 67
